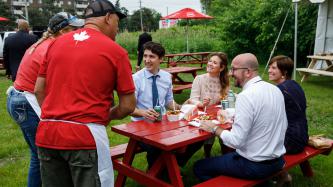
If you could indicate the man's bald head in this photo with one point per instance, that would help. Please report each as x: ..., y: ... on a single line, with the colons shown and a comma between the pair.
x: 243, y: 68
x: 22, y: 25
x: 248, y: 60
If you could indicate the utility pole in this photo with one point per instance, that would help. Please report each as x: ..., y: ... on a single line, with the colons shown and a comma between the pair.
x: 141, y: 17
x: 26, y: 10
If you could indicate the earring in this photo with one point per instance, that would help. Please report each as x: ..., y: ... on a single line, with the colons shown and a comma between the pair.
x: 282, y: 77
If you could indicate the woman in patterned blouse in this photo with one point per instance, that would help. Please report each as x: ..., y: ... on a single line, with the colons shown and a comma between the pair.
x: 210, y: 88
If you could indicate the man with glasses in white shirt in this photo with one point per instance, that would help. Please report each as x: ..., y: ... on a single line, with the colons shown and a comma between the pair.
x: 258, y: 131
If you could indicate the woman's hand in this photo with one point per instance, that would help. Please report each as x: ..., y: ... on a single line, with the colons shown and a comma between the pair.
x: 206, y: 101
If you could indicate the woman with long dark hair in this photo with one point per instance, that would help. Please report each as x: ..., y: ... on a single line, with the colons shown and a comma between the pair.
x: 212, y: 87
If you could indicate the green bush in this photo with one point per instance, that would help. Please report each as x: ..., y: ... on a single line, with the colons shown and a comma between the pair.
x: 201, y: 38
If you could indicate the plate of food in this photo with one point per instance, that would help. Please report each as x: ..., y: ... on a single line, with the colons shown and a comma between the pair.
x: 173, y: 115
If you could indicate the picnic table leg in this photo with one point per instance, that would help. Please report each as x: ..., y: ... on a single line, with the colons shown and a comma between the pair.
x: 306, y: 168
x: 304, y: 77
x: 194, y: 74
x: 128, y: 159
x: 176, y: 77
x: 157, y: 167
x: 173, y: 169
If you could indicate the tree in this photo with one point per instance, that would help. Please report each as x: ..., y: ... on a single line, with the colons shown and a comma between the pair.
x: 124, y: 22
x: 39, y: 17
x: 5, y: 12
x: 150, y: 20
x: 253, y: 26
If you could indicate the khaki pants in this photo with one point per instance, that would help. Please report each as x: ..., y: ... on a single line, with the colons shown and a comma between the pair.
x: 68, y: 168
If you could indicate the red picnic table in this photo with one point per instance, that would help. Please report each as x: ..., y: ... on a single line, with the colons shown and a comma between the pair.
x: 187, y: 58
x: 167, y: 136
x: 178, y: 83
x: 174, y: 71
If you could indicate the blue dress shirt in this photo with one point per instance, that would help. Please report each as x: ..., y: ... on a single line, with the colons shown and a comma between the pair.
x: 143, y: 90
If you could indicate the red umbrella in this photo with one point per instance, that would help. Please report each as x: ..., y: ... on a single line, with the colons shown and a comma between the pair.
x: 3, y: 19
x: 187, y: 13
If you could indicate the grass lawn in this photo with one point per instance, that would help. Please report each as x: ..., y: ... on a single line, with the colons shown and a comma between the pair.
x: 14, y: 153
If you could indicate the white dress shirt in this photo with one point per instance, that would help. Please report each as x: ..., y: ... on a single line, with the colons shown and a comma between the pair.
x: 143, y: 90
x: 260, y: 122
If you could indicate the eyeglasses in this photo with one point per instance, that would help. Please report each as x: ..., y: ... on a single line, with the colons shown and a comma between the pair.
x: 233, y: 69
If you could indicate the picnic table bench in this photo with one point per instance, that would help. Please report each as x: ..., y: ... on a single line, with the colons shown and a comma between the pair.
x: 315, y: 59
x: 177, y: 81
x: 187, y: 58
x: 1, y: 64
x: 169, y: 137
x: 300, y: 159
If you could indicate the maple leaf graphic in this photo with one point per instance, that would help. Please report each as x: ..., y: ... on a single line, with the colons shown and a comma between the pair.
x: 81, y: 37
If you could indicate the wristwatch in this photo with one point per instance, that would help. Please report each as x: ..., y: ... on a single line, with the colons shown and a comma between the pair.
x: 214, y: 129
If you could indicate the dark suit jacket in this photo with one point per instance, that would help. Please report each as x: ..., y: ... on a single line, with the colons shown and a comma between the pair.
x: 14, y: 49
x: 143, y: 38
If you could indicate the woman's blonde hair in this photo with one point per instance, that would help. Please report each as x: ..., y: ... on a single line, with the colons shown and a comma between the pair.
x: 49, y: 34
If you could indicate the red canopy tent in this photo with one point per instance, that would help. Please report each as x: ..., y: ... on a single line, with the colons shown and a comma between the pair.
x: 187, y: 13
x: 3, y: 19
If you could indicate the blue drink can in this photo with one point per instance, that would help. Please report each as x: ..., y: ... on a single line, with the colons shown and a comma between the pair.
x: 158, y: 110
x: 224, y: 104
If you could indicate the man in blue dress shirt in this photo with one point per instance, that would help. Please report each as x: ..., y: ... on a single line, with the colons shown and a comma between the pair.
x: 144, y: 81
x: 153, y: 87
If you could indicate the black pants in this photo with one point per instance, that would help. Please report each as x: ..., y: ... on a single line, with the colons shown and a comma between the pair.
x: 68, y: 168
x: 140, y: 57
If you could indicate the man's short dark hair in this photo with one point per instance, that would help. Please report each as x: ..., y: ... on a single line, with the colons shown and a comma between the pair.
x: 155, y: 48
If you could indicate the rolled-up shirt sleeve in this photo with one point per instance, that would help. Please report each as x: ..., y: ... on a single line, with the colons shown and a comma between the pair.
x: 237, y: 136
x: 169, y: 95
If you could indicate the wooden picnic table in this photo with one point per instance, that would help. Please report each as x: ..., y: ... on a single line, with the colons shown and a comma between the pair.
x: 180, y: 69
x: 2, y: 63
x: 178, y: 83
x: 187, y: 58
x: 315, y: 59
x: 167, y: 136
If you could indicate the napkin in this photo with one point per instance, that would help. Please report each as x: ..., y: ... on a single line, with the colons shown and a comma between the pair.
x: 194, y: 123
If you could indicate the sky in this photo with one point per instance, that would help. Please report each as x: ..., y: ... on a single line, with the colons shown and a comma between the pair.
x: 162, y: 6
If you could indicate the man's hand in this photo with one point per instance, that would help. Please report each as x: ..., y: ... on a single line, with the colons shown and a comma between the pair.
x: 150, y: 114
x: 125, y: 107
x: 172, y: 105
x: 207, y: 126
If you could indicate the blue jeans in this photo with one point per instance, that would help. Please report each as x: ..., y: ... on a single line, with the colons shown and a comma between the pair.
x: 232, y: 164
x: 20, y: 110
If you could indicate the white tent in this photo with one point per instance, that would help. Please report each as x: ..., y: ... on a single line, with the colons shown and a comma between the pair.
x: 324, y: 31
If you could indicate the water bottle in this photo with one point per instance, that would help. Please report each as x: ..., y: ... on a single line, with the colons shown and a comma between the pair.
x: 231, y: 99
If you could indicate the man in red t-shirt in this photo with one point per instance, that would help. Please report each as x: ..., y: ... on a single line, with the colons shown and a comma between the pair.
x: 75, y: 87
x: 21, y: 102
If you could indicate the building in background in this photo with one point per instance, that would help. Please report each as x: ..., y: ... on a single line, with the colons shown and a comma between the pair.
x: 167, y: 23
x: 18, y: 6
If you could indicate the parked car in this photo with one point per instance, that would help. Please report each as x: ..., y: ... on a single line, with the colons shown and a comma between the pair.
x: 3, y: 36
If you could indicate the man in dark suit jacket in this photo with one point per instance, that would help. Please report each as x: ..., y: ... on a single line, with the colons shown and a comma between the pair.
x: 15, y: 46
x: 143, y: 38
